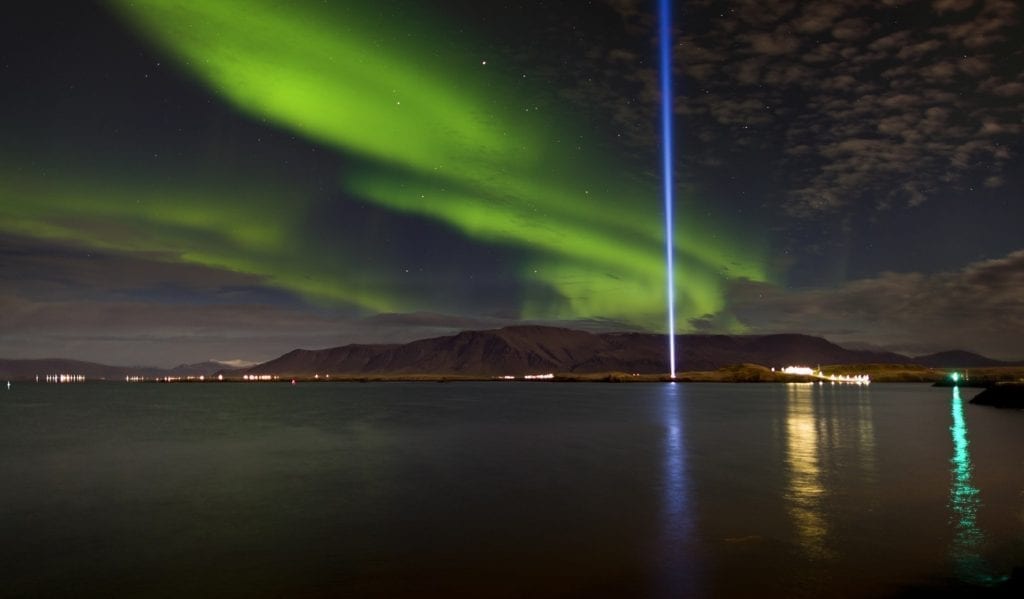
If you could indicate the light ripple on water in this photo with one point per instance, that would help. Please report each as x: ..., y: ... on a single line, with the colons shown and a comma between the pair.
x: 510, y: 489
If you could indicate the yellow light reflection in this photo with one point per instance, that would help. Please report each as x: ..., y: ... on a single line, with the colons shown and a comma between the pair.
x: 805, y: 492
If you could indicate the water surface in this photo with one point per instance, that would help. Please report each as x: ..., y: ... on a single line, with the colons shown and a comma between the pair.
x: 506, y: 489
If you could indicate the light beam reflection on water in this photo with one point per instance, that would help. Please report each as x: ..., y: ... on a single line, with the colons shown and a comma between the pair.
x: 964, y: 501
x: 679, y: 571
x: 805, y: 491
x: 829, y: 431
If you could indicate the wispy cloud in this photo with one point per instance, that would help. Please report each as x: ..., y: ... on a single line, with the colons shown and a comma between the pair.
x: 854, y: 101
x: 979, y: 307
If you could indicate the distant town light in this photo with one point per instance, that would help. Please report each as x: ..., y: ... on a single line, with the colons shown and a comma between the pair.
x: 857, y: 379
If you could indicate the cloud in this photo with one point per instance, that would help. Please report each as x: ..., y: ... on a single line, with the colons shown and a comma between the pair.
x: 818, y: 16
x: 916, y: 51
x: 979, y: 307
x: 871, y: 112
x: 851, y: 29
x: 852, y: 107
x: 1012, y: 88
x: 61, y: 301
x: 984, y: 29
x: 775, y: 43
x: 67, y: 301
x: 941, y: 6
x: 152, y: 333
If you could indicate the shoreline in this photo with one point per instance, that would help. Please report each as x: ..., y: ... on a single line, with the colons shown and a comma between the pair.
x: 744, y: 373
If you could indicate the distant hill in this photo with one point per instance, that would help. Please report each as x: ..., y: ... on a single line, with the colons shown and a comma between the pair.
x: 207, y: 368
x: 29, y: 369
x: 960, y: 359
x: 521, y: 350
x: 540, y: 349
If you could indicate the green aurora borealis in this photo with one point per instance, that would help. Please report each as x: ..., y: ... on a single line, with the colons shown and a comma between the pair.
x: 232, y: 179
x: 423, y: 126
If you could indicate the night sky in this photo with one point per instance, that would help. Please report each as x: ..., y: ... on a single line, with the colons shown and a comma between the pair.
x: 231, y: 179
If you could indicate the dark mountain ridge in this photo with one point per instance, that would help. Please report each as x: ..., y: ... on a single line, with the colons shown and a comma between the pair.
x: 518, y: 350
x: 957, y: 358
x: 527, y: 349
x: 29, y: 369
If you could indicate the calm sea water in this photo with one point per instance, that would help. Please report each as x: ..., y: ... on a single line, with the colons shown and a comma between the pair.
x: 494, y: 490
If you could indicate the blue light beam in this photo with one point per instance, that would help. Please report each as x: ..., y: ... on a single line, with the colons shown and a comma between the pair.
x: 665, y: 40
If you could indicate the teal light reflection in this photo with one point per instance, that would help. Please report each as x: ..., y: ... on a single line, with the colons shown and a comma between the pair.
x: 964, y: 501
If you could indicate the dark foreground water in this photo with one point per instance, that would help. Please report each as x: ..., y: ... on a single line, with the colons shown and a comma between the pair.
x: 515, y: 489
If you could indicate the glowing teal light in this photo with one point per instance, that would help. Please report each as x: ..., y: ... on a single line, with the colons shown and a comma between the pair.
x: 955, y: 376
x: 964, y: 500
